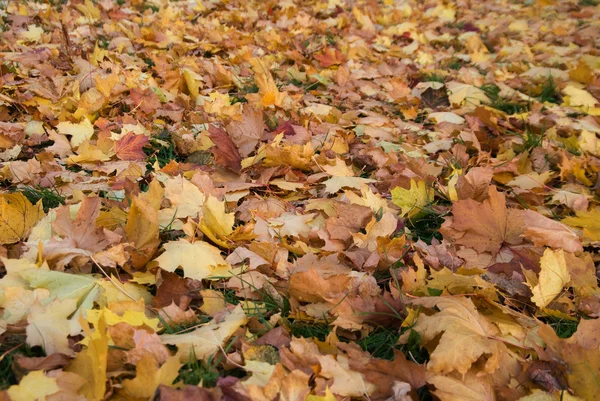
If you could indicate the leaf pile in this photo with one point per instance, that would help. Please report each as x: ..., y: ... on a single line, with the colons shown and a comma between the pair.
x: 303, y: 201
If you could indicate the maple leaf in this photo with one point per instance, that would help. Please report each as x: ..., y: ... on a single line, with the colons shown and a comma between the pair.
x: 17, y: 217
x: 544, y: 231
x: 198, y: 260
x: 142, y: 226
x: 215, y: 223
x: 34, y: 386
x: 469, y: 387
x: 581, y: 353
x: 91, y: 363
x: 346, y: 382
x: 206, y: 340
x: 268, y: 93
x: 49, y: 326
x: 82, y: 231
x: 246, y: 134
x: 374, y: 230
x: 484, y: 226
x: 589, y: 221
x: 310, y: 286
x: 466, y: 335
x: 412, y: 201
x: 224, y: 151
x: 329, y: 56
x: 554, y: 275
x: 297, y: 156
x: 383, y: 373
x: 78, y: 132
x: 149, y: 376
x: 130, y: 147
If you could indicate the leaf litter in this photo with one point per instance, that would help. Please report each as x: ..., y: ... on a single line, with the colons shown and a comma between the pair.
x: 309, y: 201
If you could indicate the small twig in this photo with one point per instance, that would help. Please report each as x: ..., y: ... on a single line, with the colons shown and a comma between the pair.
x: 113, y: 281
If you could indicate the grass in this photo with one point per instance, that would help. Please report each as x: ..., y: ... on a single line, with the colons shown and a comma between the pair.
x: 588, y: 3
x: 433, y: 77
x: 196, y: 372
x: 178, y: 328
x: 564, y: 328
x: 455, y: 63
x: 531, y: 140
x: 300, y: 328
x: 499, y: 103
x: 7, y: 374
x: 50, y: 197
x: 381, y: 343
x: 549, y: 92
x: 158, y: 152
x: 240, y: 95
x: 427, y: 226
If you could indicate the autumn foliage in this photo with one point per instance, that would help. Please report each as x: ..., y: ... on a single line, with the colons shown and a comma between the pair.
x: 389, y: 200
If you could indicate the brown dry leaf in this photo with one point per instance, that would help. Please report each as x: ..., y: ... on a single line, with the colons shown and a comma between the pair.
x: 83, y: 230
x: 383, y: 373
x: 466, y: 336
x: 246, y: 134
x: 310, y: 286
x: 543, y: 231
x: 225, y: 152
x: 484, y: 226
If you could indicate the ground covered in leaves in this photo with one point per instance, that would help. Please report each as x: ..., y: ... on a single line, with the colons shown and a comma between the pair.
x: 299, y: 201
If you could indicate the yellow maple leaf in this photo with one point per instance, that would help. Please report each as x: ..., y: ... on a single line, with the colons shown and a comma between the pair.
x: 79, y: 132
x: 589, y: 221
x: 412, y: 201
x: 149, y: 376
x: 87, y: 153
x: 191, y: 81
x: 33, y: 387
x: 470, y: 387
x: 268, y: 93
x: 199, y: 260
x: 91, y: 362
x: 579, y: 97
x: 215, y: 223
x: 17, y: 217
x: 142, y: 226
x: 368, y: 199
x: 297, y: 156
x: 131, y: 317
x: 186, y: 200
x: 554, y: 275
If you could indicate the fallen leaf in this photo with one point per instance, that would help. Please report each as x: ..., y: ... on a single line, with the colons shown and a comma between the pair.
x: 34, y: 386
x: 130, y: 147
x: 554, y: 275
x: 204, y: 341
x: 484, y: 226
x: 224, y: 151
x: 17, y: 217
x: 199, y: 260
x: 149, y: 376
x: 414, y: 200
x: 466, y: 336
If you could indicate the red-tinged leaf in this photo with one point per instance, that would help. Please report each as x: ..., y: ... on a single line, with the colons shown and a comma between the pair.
x: 130, y: 147
x: 224, y: 151
x: 330, y: 57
